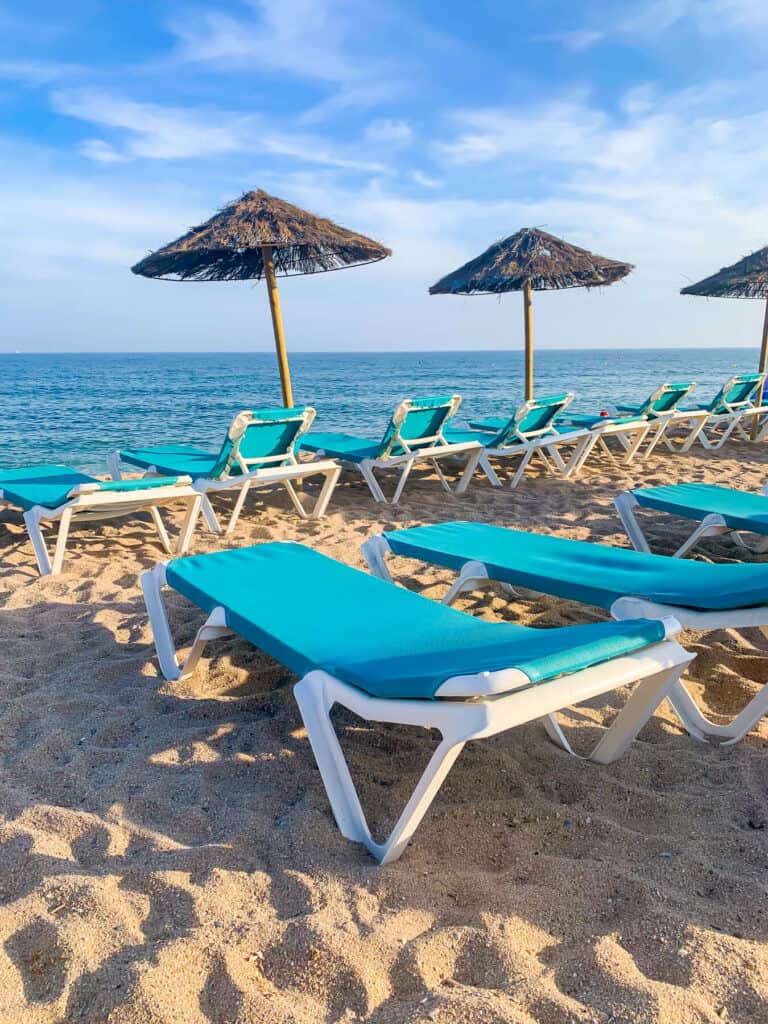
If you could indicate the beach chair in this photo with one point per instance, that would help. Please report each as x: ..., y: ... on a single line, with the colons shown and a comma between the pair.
x: 629, y: 584
x: 48, y: 494
x: 625, y: 422
x: 718, y: 510
x: 389, y: 655
x: 529, y: 433
x: 415, y: 434
x: 258, y: 451
x: 737, y: 402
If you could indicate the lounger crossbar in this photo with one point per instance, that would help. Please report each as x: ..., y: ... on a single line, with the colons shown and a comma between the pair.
x: 415, y: 435
x: 431, y: 667
x: 627, y: 583
x: 57, y: 494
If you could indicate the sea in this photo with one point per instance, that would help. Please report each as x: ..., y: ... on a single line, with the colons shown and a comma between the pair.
x: 74, y: 409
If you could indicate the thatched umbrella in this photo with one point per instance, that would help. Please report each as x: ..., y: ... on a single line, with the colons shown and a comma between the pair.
x: 259, y: 236
x: 747, y: 279
x: 529, y: 261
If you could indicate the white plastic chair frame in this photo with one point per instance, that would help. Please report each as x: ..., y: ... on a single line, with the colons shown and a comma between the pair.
x: 260, y: 471
x: 474, y: 576
x: 87, y: 503
x: 440, y: 449
x: 711, y: 429
x: 472, y: 707
x: 713, y: 525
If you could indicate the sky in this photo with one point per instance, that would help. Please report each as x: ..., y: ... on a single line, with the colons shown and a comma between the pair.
x: 635, y: 128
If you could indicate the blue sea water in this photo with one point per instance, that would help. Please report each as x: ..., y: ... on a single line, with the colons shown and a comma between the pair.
x: 76, y: 408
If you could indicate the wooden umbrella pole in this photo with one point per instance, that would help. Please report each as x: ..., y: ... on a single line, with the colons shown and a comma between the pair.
x: 528, y: 313
x: 762, y: 366
x: 277, y: 325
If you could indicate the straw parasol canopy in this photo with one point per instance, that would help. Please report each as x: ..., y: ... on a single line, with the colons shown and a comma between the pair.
x: 530, y: 260
x: 259, y: 236
x: 747, y: 279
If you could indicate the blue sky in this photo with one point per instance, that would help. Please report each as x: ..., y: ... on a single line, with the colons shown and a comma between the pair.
x: 637, y: 128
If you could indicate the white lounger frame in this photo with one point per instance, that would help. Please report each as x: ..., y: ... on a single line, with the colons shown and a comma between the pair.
x: 472, y: 707
x: 87, y: 503
x: 546, y: 447
x: 721, y: 426
x: 713, y: 525
x: 474, y: 576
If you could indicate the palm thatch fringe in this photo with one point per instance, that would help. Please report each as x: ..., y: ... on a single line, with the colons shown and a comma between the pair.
x: 531, y: 255
x: 228, y: 247
x: 747, y: 279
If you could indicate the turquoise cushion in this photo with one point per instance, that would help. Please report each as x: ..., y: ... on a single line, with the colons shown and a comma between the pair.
x: 173, y: 459
x: 740, y: 509
x: 485, y: 439
x: 492, y: 424
x: 49, y: 486
x: 40, y: 485
x: 578, y: 419
x: 592, y: 573
x: 309, y: 611
x: 342, y: 446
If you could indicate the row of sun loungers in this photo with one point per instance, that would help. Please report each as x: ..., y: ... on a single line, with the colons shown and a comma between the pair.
x: 390, y: 655
x: 262, y: 449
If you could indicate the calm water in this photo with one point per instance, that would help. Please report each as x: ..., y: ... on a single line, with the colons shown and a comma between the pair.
x: 75, y: 409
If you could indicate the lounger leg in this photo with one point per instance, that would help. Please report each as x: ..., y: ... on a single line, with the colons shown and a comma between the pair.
x: 151, y: 585
x: 711, y: 526
x: 520, y: 471
x: 487, y: 468
x: 473, y: 576
x: 210, y: 516
x: 373, y: 484
x: 696, y: 433
x: 330, y: 479
x: 469, y: 471
x: 633, y: 447
x: 61, y: 541
x: 581, y: 453
x: 405, y: 472
x: 188, y: 526
x: 113, y: 465
x: 645, y: 698
x: 33, y: 521
x: 626, y: 504
x: 154, y: 511
x: 701, y: 728
x: 237, y: 509
x: 315, y: 706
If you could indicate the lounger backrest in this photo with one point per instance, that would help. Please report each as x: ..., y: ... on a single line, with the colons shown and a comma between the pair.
x: 666, y: 398
x: 418, y: 423
x: 262, y: 437
x: 740, y: 391
x: 534, y: 418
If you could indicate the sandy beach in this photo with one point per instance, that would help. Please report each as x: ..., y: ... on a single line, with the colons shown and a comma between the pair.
x: 167, y: 852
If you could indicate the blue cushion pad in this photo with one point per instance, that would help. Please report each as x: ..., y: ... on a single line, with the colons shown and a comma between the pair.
x: 740, y: 509
x: 172, y: 459
x: 347, y: 447
x: 48, y: 486
x: 309, y: 611
x: 592, y: 573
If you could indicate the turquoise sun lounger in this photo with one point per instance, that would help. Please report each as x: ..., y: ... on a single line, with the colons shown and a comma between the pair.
x: 392, y: 656
x: 259, y: 450
x: 414, y: 434
x: 47, y: 494
x: 718, y: 510
x: 735, y: 406
x: 529, y: 432
x: 629, y: 584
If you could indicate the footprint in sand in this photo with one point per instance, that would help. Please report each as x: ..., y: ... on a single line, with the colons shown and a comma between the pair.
x: 41, y: 959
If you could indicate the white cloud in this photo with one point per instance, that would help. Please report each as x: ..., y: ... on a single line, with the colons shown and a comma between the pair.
x: 37, y: 72
x: 426, y: 180
x: 155, y: 132
x: 389, y: 130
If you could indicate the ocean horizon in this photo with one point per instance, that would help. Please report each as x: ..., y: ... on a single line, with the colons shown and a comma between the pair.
x: 77, y: 407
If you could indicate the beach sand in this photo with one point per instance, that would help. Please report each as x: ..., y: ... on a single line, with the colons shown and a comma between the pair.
x: 167, y: 853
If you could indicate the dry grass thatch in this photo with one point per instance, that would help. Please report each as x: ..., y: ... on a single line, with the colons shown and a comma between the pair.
x: 747, y: 279
x: 228, y: 247
x: 547, y: 261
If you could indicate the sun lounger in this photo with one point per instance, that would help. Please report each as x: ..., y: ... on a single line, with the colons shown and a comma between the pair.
x: 637, y: 428
x: 629, y: 584
x: 415, y: 434
x: 718, y: 510
x: 529, y: 433
x: 258, y: 451
x: 733, y: 408
x: 50, y: 493
x: 392, y: 656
